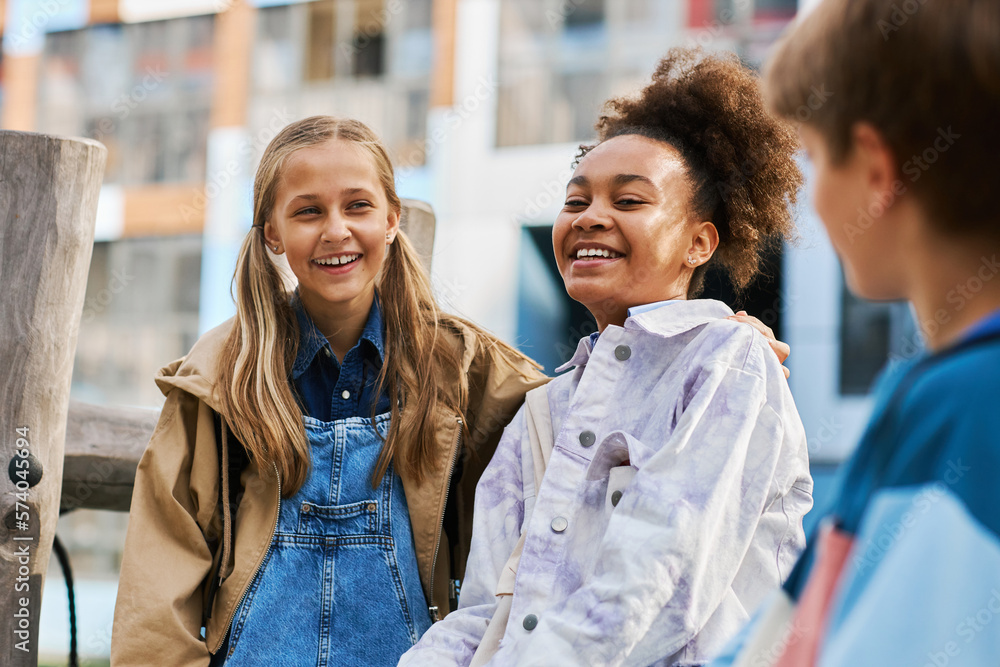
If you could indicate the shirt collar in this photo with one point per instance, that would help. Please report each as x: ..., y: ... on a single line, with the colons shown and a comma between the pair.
x: 984, y: 327
x: 635, y: 310
x: 681, y: 316
x: 311, y: 340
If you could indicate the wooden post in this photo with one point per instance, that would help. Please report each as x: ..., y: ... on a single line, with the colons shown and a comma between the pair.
x: 48, y: 204
x: 418, y: 222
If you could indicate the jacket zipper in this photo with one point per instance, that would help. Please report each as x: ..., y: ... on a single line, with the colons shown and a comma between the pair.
x: 260, y: 564
x: 433, y: 608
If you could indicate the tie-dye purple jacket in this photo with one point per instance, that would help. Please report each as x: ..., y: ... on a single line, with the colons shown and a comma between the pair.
x: 661, y: 560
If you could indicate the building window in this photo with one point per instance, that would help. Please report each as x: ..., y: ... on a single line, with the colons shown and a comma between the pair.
x: 144, y: 86
x: 870, y: 334
x: 584, y: 13
x: 559, y: 60
x: 363, y: 59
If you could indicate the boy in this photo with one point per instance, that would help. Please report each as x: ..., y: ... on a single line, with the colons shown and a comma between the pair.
x: 906, y: 567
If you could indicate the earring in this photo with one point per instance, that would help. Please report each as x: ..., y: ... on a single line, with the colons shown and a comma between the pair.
x: 275, y: 248
x: 691, y: 260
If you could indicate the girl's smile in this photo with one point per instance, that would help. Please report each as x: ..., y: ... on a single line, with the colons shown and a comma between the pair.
x: 592, y: 255
x: 338, y: 264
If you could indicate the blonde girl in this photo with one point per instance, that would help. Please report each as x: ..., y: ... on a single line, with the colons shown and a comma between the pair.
x: 306, y: 497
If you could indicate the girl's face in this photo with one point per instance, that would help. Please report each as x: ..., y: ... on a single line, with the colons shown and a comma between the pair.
x: 332, y: 220
x: 630, y: 200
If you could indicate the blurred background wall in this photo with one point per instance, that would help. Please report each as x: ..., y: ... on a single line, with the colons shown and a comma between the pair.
x: 483, y: 104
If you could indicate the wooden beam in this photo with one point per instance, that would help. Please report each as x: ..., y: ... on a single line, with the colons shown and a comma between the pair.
x: 49, y: 188
x: 103, y: 448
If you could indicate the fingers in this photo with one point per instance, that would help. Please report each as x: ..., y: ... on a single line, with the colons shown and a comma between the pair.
x: 781, y: 350
x: 754, y: 322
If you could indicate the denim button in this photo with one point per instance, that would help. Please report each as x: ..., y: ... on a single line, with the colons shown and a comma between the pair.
x: 327, y: 352
x: 623, y: 352
x: 615, y: 497
x: 530, y: 621
x: 305, y: 508
x: 346, y: 395
x: 559, y: 524
x: 587, y: 438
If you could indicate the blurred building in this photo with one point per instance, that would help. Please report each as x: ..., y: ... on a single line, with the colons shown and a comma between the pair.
x: 483, y: 104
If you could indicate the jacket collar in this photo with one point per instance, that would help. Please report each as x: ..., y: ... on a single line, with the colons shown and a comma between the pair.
x: 669, y: 319
x: 197, y: 373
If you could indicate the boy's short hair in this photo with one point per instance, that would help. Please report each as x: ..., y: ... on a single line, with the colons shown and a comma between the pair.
x: 925, y: 74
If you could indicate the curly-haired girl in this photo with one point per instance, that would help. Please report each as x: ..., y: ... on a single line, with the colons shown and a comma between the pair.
x: 672, y: 500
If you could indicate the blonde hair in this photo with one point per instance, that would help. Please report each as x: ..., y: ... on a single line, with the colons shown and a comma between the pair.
x: 254, y: 382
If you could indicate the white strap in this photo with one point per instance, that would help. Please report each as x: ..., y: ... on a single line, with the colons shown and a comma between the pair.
x: 539, y: 426
x: 539, y: 423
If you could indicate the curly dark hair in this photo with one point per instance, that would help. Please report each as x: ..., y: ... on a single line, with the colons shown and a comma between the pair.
x: 739, y: 158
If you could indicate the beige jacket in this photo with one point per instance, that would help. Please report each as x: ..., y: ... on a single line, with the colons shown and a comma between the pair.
x: 175, y: 525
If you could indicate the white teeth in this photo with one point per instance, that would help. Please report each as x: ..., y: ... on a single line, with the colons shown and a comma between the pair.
x: 596, y: 252
x: 337, y: 261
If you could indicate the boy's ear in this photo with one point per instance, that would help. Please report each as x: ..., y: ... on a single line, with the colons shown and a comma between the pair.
x: 873, y: 154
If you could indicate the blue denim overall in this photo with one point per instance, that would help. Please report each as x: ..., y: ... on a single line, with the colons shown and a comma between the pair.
x: 339, y: 584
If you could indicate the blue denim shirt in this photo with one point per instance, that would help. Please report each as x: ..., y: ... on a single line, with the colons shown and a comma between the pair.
x: 328, y: 390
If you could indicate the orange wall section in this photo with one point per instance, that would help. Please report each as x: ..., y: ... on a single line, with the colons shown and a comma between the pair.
x: 20, y: 82
x: 233, y: 51
x: 104, y: 11
x: 443, y: 64
x: 164, y: 210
